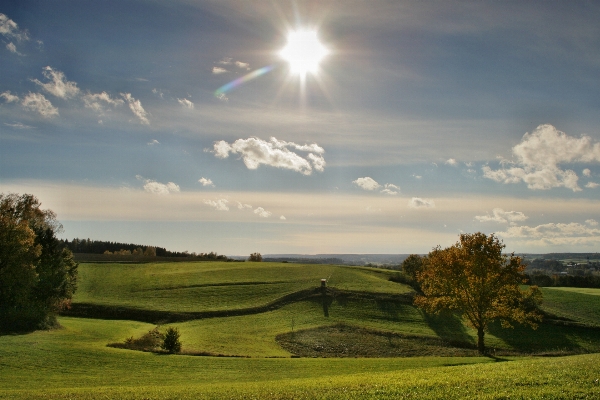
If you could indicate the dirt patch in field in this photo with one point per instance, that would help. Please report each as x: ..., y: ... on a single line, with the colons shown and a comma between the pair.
x: 349, y: 341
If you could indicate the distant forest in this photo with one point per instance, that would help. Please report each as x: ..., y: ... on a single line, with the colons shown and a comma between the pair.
x: 101, y: 247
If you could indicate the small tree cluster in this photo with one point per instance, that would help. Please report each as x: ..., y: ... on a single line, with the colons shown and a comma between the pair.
x: 171, y: 341
x: 257, y: 257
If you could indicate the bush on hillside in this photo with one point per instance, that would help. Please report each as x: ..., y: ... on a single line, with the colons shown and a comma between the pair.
x: 171, y: 341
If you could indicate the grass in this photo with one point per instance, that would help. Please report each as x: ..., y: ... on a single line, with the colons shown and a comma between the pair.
x: 210, y: 286
x: 74, y: 362
x: 580, y: 305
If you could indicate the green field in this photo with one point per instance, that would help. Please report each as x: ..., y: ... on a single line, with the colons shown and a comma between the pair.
x: 75, y: 361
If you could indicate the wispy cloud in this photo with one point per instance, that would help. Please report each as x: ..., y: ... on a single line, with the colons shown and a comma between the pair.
x: 10, y: 29
x: 18, y: 125
x: 503, y: 217
x: 417, y: 202
x: 38, y: 103
x: 538, y: 159
x: 206, y: 182
x: 556, y: 233
x: 136, y: 108
x: 97, y: 101
x: 153, y: 142
x: 8, y: 97
x: 219, y: 204
x: 391, y: 189
x: 275, y: 153
x: 592, y: 185
x: 242, y: 65
x: 186, y: 103
x: 58, y: 86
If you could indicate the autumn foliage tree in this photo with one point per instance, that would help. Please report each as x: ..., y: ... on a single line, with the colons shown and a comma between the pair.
x: 37, y: 275
x: 476, y: 279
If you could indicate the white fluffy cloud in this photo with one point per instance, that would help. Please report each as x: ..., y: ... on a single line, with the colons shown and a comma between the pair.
x: 58, y: 85
x: 367, y: 183
x: 242, y: 65
x: 275, y: 153
x: 12, y: 48
x: 417, y: 202
x: 136, y: 108
x: 186, y: 103
x: 206, y: 182
x: 154, y: 187
x: 586, y: 172
x: 282, y: 218
x: 591, y: 222
x: 452, y: 162
x: 261, y: 212
x: 592, y: 185
x: 96, y: 101
x: 9, y: 28
x: 503, y: 217
x: 219, y: 204
x: 8, y: 97
x: 38, y: 103
x: 219, y: 70
x: 539, y: 156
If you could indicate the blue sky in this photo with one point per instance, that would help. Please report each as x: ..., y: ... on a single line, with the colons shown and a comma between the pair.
x: 424, y: 120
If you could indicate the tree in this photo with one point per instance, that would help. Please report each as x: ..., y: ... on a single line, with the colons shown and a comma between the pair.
x: 476, y: 279
x: 171, y: 341
x: 255, y: 257
x: 37, y: 275
x: 412, y: 264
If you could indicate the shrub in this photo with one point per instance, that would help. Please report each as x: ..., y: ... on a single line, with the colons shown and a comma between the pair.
x: 171, y: 341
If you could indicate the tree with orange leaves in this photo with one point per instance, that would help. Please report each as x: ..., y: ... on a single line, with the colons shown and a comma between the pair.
x: 474, y: 278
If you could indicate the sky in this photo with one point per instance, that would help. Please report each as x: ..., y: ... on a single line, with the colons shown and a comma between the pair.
x: 418, y: 122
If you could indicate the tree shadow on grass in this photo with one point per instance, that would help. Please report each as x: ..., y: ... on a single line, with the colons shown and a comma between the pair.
x: 449, y: 327
x: 548, y: 339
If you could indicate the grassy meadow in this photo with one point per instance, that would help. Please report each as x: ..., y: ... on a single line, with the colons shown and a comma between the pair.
x: 250, y: 355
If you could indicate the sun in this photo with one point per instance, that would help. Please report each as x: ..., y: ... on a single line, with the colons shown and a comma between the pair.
x: 303, y: 52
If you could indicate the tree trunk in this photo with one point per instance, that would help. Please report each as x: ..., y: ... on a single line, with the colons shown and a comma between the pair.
x: 480, y: 343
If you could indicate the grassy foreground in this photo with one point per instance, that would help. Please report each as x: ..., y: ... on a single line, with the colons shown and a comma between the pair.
x: 74, y: 363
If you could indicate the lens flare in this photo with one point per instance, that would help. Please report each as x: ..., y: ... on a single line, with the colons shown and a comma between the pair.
x: 220, y: 92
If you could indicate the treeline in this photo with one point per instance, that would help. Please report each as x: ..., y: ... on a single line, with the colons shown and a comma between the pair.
x: 101, y: 247
x: 543, y: 280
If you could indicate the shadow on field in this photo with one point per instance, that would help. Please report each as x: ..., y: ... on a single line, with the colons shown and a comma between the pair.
x: 448, y: 326
x: 548, y: 339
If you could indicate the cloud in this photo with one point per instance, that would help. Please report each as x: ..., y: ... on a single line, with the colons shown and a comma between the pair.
x: 556, y: 233
x: 367, y: 183
x: 275, y: 153
x: 243, y: 206
x: 9, y: 28
x: 226, y: 61
x: 9, y: 98
x: 186, y: 103
x: 153, y: 142
x: 152, y: 186
x: 158, y: 92
x: 222, y: 97
x: 58, y: 85
x: 219, y: 70
x: 219, y: 205
x: 587, y: 172
x: 452, y: 162
x: 391, y: 189
x: 417, y: 176
x: 12, y: 48
x: 38, y: 103
x: 591, y: 222
x: 282, y: 218
x: 261, y: 212
x: 242, y: 65
x: 95, y: 101
x: 136, y: 108
x: 417, y: 202
x: 18, y: 125
x: 503, y: 217
x: 592, y: 185
x: 206, y: 182
x: 538, y: 159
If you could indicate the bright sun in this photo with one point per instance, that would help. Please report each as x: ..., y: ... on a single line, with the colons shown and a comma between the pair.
x: 303, y: 51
